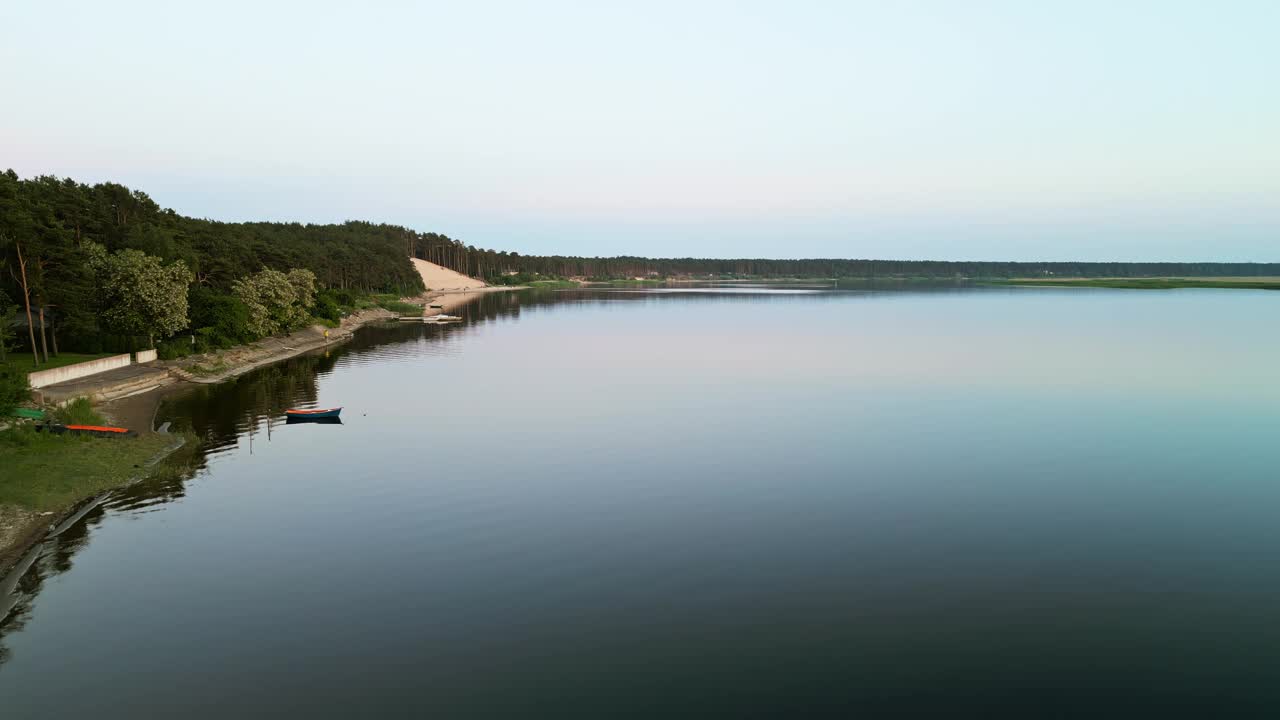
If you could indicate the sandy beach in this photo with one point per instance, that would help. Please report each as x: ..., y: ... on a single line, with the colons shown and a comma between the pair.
x: 437, y: 278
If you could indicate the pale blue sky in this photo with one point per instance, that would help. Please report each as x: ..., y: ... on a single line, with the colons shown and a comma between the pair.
x: 954, y: 130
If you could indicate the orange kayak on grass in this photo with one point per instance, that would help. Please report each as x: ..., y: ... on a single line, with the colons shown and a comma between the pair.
x: 98, y: 430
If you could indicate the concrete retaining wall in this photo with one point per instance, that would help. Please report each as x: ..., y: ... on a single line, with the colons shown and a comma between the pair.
x: 42, y: 378
x: 145, y: 356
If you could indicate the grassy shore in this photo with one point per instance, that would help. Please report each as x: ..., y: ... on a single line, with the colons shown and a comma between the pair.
x: 396, y: 305
x: 45, y: 476
x: 50, y: 473
x: 45, y: 472
x: 1148, y: 283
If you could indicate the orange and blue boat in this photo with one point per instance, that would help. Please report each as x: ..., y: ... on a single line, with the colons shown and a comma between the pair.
x: 324, y: 414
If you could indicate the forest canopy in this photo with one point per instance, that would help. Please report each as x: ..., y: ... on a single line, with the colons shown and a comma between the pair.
x: 53, y: 232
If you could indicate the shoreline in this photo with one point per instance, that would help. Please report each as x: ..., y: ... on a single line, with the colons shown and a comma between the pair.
x: 270, y: 350
x: 274, y: 349
x: 37, y: 528
x: 1144, y: 283
x: 137, y: 408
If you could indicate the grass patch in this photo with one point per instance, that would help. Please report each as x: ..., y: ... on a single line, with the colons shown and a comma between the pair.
x: 395, y: 305
x: 553, y: 284
x: 1146, y: 283
x: 22, y: 360
x: 213, y: 368
x: 402, y: 308
x: 44, y: 472
x: 77, y: 412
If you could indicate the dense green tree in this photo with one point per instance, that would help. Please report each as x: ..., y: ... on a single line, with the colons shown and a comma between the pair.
x: 220, y: 319
x: 276, y: 301
x: 139, y: 294
x: 304, y: 290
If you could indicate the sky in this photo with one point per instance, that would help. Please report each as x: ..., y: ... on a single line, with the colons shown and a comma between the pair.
x: 1138, y: 130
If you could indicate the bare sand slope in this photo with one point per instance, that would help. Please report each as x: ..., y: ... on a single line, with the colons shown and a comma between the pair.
x: 437, y: 277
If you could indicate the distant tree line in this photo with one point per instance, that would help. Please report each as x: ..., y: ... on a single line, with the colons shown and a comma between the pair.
x: 90, y: 267
x: 626, y: 267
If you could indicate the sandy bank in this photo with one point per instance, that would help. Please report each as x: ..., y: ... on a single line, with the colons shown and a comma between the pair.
x: 437, y: 277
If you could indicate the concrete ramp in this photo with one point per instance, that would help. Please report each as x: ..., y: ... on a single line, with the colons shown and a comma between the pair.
x: 106, y: 386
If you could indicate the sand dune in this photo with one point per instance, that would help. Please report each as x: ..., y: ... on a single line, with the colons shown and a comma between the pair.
x: 437, y: 277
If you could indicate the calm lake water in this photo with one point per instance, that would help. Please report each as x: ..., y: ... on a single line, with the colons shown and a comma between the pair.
x: 714, y: 502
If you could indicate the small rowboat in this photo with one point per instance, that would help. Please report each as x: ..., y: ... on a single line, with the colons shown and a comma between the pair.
x: 312, y: 414
x: 444, y: 318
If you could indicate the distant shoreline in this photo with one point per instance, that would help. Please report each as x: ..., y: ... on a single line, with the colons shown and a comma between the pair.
x: 1169, y: 283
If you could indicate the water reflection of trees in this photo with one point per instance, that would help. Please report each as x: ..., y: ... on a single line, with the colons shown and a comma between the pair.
x: 219, y: 415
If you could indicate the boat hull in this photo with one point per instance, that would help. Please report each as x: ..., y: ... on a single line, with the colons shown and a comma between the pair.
x: 330, y: 420
x: 312, y: 414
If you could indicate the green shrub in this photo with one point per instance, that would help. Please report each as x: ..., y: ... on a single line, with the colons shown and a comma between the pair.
x: 327, y: 306
x: 13, y: 387
x: 392, y: 303
x: 214, y: 368
x: 345, y: 298
x: 220, y: 319
x: 208, y: 339
x: 175, y: 348
x: 77, y: 412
